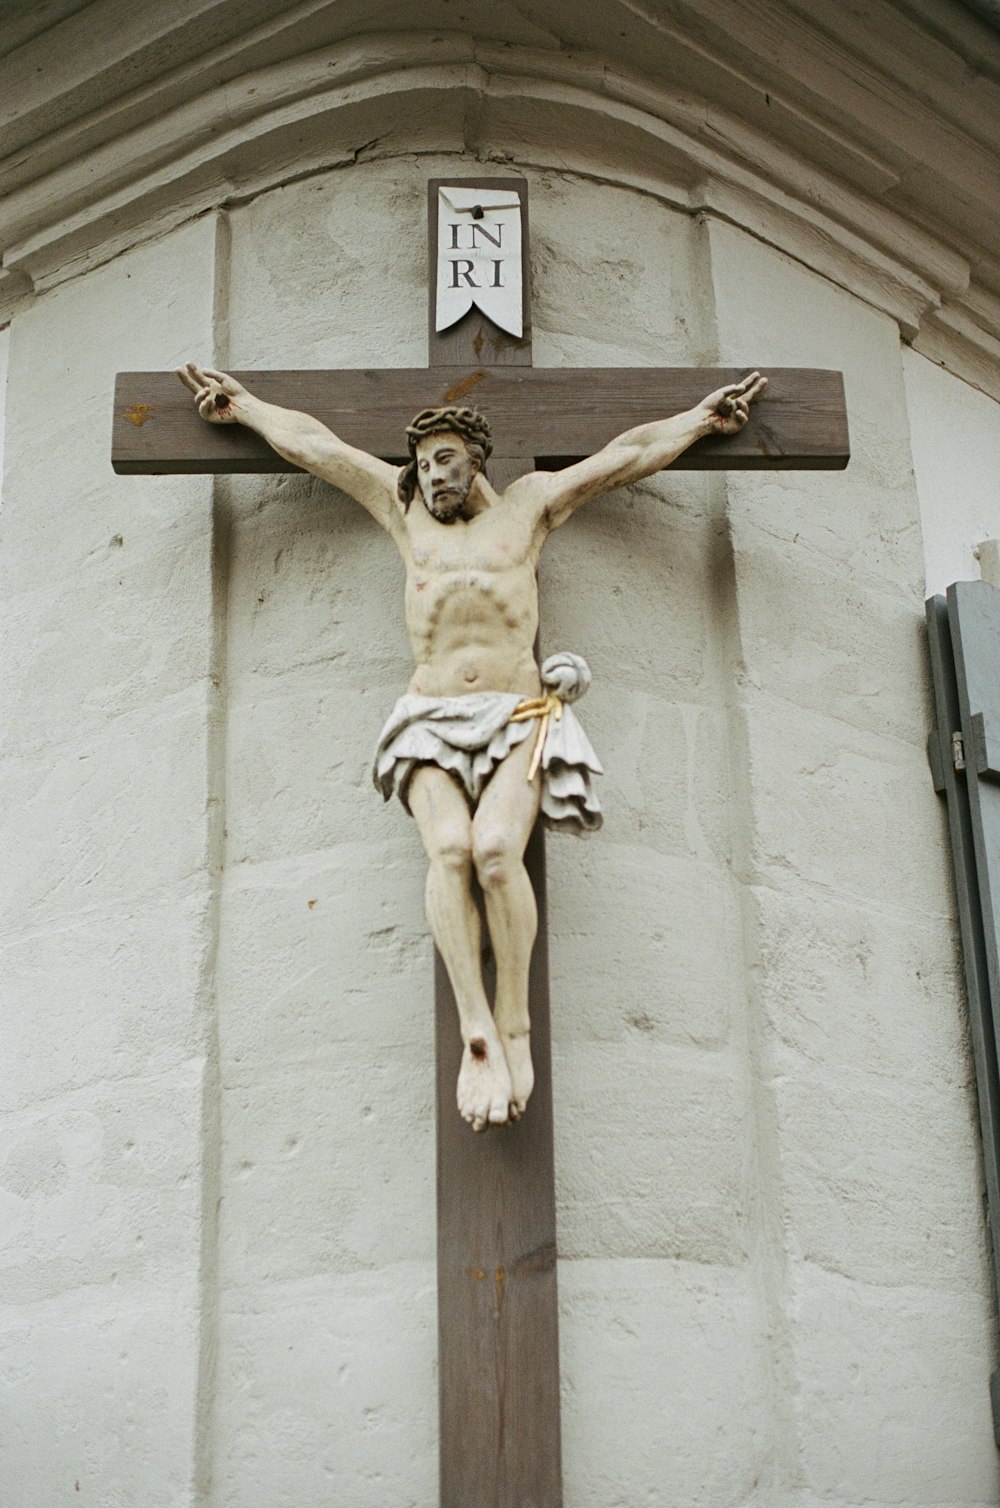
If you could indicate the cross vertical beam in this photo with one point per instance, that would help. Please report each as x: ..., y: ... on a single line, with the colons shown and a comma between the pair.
x: 498, y: 1336
x: 498, y: 1330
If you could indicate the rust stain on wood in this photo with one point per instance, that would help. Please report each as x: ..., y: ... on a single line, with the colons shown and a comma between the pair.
x: 138, y: 414
x: 475, y: 1273
x: 459, y: 389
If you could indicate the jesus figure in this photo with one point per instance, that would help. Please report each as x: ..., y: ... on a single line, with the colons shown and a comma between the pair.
x: 483, y: 739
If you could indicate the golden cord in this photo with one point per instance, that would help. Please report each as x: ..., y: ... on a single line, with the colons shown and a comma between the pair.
x: 542, y: 707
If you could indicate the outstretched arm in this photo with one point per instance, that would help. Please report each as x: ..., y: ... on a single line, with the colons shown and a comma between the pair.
x: 299, y: 438
x: 647, y: 448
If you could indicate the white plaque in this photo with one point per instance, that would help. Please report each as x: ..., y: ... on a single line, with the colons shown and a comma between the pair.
x: 479, y: 256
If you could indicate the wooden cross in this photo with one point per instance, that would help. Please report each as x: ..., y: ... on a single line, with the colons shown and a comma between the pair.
x: 498, y: 1337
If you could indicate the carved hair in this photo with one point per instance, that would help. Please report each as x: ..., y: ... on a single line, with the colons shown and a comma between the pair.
x: 472, y: 428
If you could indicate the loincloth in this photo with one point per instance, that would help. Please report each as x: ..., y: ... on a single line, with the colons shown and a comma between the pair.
x: 470, y: 735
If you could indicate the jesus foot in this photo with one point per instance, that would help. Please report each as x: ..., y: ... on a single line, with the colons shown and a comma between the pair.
x: 484, y: 1087
x: 517, y: 1050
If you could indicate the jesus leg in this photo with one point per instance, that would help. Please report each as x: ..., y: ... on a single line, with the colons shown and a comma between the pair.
x: 442, y: 815
x: 501, y: 828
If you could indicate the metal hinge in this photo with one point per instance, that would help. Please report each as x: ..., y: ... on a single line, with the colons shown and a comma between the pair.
x: 958, y: 751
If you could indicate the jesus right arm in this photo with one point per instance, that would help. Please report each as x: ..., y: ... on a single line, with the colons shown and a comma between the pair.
x: 298, y: 438
x: 640, y: 452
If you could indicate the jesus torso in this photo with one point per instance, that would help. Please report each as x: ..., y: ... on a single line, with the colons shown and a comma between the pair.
x: 472, y: 598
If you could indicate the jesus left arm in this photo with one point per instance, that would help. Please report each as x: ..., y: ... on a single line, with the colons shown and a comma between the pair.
x: 639, y: 452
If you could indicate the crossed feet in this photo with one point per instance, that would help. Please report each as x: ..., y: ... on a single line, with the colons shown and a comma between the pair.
x: 496, y: 1076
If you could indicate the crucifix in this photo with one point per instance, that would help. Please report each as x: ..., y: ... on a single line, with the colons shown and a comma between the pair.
x: 484, y: 739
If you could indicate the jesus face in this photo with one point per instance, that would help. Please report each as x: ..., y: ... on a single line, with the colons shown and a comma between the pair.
x: 445, y: 472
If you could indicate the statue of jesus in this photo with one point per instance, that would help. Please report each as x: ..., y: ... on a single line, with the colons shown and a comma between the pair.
x: 483, y: 739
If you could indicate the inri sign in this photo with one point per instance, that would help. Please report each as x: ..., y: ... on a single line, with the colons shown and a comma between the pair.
x: 479, y: 256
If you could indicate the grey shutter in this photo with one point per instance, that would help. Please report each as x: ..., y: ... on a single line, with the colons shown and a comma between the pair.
x: 964, y: 751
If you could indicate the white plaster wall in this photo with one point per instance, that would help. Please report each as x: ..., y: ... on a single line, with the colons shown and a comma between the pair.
x: 883, y: 1315
x: 655, y: 1165
x: 105, y: 903
x: 772, y: 1272
x: 4, y: 351
x: 328, y: 1321
x: 955, y: 444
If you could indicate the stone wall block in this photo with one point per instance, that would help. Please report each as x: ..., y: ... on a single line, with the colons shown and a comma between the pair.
x: 772, y: 310
x: 299, y: 769
x: 316, y: 959
x: 882, y: 1182
x: 841, y: 809
x: 313, y: 581
x: 955, y: 438
x: 624, y: 277
x: 312, y: 264
x: 627, y: 584
x: 662, y: 1172
x: 113, y: 817
x: 843, y: 521
x: 894, y: 1403
x: 99, y: 1399
x: 62, y: 502
x: 64, y: 506
x: 870, y: 988
x: 138, y: 646
x: 336, y: 304
x: 94, y: 994
x: 328, y: 1394
x: 101, y: 1189
x: 675, y: 992
x: 107, y: 710
x: 314, y: 1180
x: 653, y: 1356
x: 666, y: 783
x: 822, y: 642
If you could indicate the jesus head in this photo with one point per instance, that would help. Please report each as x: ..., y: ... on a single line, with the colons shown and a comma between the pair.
x: 448, y: 449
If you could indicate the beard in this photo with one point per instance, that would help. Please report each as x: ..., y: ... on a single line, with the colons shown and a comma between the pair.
x: 448, y: 505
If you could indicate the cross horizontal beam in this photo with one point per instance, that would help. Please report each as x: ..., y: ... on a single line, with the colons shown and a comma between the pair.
x: 552, y: 413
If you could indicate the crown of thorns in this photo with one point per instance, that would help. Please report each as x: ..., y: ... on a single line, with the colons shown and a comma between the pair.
x: 467, y: 423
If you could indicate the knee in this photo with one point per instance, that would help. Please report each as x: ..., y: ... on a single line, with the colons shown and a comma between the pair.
x: 452, y: 851
x: 495, y: 858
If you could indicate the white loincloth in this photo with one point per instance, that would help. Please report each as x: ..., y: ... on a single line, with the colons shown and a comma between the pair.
x: 469, y: 736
